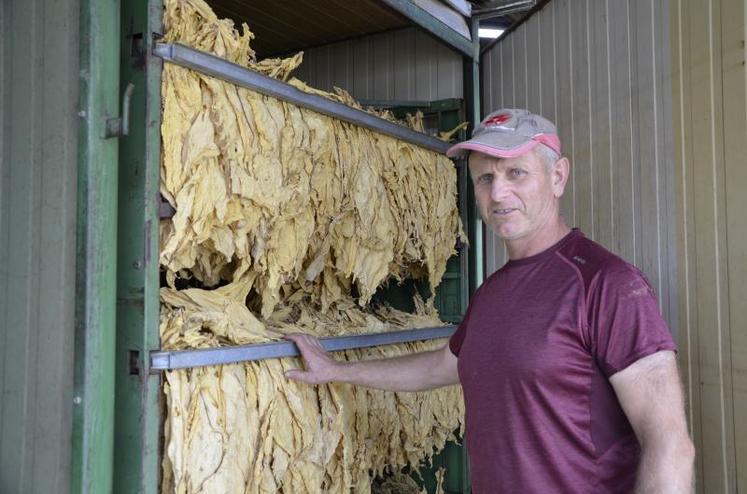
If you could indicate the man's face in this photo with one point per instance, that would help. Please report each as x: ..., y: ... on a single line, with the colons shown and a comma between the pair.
x: 517, y: 197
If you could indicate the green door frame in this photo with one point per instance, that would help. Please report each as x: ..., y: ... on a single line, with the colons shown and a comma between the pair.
x: 93, y: 402
x: 137, y: 414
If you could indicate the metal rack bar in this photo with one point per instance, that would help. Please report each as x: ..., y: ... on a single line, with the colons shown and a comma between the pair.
x: 235, y: 74
x: 169, y: 360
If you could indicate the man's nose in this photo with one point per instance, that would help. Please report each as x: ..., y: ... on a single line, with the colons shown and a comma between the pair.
x: 498, y: 189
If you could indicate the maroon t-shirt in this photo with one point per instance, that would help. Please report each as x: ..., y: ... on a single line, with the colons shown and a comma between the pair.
x: 536, y: 348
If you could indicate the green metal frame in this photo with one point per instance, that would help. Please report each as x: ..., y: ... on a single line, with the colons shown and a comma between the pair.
x: 431, y: 24
x: 93, y: 402
x: 137, y: 417
x: 136, y: 465
x: 472, y: 98
x: 452, y: 295
x: 451, y: 112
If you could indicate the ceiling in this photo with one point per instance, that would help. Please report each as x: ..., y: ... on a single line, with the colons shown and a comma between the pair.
x: 283, y: 26
x: 286, y: 26
x: 503, y: 21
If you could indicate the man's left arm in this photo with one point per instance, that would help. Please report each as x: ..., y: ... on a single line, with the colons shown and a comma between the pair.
x: 650, y: 393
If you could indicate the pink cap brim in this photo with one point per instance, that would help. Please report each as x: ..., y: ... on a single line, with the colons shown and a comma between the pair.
x: 551, y: 141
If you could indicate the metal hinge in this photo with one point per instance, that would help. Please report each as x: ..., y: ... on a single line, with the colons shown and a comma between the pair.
x: 120, y: 127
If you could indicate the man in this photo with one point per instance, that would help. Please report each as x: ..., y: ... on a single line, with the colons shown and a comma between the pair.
x: 568, y: 369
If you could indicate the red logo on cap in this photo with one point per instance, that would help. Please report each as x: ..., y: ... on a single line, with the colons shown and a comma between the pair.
x: 497, y: 120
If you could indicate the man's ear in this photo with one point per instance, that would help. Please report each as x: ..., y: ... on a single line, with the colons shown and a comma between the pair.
x: 559, y: 176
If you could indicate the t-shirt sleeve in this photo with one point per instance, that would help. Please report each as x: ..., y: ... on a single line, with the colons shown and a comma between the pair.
x: 625, y: 323
x: 456, y: 340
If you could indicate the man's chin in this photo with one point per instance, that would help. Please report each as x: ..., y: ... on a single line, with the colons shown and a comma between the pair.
x: 506, y: 234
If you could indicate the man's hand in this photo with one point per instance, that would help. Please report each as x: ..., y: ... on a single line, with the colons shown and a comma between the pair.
x: 320, y: 367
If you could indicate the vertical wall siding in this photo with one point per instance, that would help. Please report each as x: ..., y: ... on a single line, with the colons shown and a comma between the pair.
x: 403, y: 65
x: 600, y: 70
x: 38, y: 170
x: 710, y: 123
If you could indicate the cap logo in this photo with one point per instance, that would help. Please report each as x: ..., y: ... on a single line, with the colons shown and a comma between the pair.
x: 497, y: 120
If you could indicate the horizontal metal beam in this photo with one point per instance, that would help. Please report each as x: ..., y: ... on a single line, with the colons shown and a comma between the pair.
x: 503, y: 8
x: 169, y: 360
x: 435, y: 26
x: 390, y: 103
x: 461, y: 6
x: 211, y: 65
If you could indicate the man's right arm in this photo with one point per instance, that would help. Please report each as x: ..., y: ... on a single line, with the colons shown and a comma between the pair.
x: 415, y: 372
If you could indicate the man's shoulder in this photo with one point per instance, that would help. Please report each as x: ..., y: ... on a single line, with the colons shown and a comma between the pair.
x: 593, y: 261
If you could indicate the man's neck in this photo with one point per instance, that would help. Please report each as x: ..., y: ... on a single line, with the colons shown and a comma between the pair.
x: 541, y: 241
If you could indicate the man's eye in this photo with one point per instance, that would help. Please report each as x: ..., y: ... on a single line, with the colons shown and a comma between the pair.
x: 485, y: 179
x: 517, y: 172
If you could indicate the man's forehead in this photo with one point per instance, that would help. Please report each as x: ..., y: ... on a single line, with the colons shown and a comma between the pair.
x: 480, y: 160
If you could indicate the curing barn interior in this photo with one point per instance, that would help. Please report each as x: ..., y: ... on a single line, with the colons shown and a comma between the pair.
x: 314, y: 217
x: 186, y: 182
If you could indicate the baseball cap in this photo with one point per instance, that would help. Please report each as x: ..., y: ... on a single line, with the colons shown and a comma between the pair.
x: 509, y: 133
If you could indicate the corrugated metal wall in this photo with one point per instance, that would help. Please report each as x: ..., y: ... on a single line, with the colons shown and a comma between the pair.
x: 38, y: 172
x: 600, y: 70
x: 406, y: 64
x: 710, y: 122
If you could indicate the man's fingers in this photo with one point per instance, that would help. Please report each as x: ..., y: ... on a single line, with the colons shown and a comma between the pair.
x: 300, y: 375
x: 293, y: 336
x: 314, y: 356
x: 296, y: 374
x: 305, y: 342
x: 300, y: 339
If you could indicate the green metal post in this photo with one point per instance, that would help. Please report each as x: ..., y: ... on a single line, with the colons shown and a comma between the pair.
x: 93, y: 402
x: 472, y: 99
x: 476, y: 276
x: 137, y: 416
